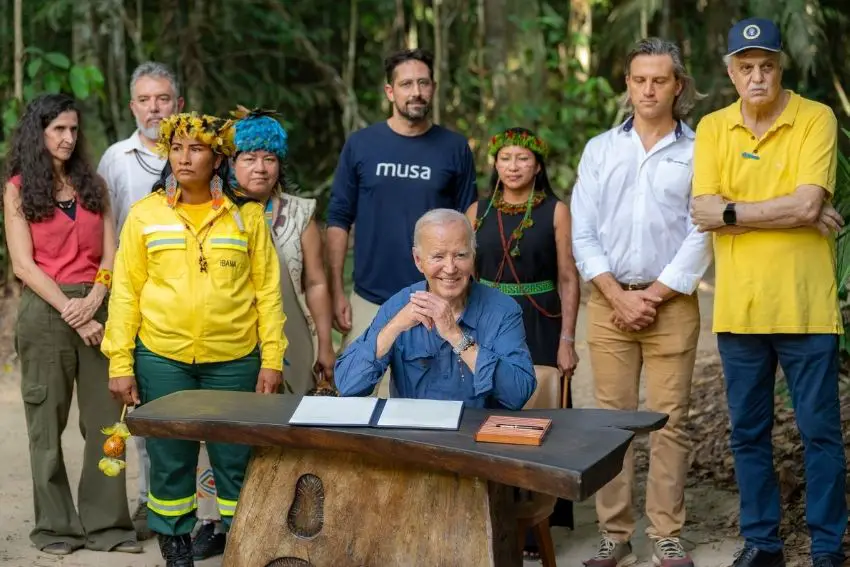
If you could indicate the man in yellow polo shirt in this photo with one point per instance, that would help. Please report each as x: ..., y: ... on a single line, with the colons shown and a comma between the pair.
x: 764, y: 173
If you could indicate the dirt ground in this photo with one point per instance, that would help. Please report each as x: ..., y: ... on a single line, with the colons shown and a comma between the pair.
x: 707, y: 533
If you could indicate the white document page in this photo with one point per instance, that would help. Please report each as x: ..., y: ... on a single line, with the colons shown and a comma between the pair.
x: 333, y: 411
x: 421, y: 414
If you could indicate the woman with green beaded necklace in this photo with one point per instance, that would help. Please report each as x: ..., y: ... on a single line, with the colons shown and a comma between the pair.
x: 525, y: 249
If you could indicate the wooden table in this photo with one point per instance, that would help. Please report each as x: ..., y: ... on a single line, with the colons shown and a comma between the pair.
x: 368, y: 497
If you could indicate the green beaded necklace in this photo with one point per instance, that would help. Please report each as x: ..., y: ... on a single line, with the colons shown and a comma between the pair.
x: 534, y: 199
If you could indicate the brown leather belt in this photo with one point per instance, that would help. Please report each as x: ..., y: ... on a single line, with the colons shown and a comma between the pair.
x: 634, y: 286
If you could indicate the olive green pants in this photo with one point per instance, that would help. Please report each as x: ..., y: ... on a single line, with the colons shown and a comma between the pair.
x: 172, y: 500
x: 53, y: 357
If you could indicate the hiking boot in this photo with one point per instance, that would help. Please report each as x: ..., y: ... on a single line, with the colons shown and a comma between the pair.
x: 140, y: 522
x: 612, y: 553
x: 129, y: 546
x: 208, y: 543
x: 751, y: 556
x: 176, y: 550
x: 668, y: 552
x: 58, y: 548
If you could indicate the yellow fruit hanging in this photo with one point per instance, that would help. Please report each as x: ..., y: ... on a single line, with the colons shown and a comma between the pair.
x: 114, y: 446
x: 111, y: 467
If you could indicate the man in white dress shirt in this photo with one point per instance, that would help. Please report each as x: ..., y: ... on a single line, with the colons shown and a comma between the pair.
x: 130, y: 168
x: 634, y: 240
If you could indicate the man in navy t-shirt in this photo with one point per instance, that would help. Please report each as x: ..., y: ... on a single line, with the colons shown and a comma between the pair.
x: 390, y: 174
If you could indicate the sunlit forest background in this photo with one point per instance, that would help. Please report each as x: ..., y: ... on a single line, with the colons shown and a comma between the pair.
x: 555, y: 66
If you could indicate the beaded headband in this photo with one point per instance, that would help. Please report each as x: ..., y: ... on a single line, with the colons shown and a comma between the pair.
x: 212, y: 131
x: 521, y: 139
x: 257, y: 130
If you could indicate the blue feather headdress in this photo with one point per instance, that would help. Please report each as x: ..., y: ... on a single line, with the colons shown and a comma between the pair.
x: 258, y: 130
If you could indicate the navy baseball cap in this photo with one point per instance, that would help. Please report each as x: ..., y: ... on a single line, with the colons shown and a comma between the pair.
x: 754, y: 33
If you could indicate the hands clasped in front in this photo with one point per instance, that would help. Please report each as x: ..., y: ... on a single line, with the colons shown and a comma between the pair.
x: 79, y: 314
x: 634, y: 310
x: 433, y: 312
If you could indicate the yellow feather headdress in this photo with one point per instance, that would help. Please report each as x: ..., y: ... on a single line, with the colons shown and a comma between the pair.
x: 213, y: 131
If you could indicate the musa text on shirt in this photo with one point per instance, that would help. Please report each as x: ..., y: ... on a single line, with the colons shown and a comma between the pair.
x: 403, y: 170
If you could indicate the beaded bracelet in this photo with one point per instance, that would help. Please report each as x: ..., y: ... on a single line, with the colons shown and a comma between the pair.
x: 104, y: 277
x: 567, y: 338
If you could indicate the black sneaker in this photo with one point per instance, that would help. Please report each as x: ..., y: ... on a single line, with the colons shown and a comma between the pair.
x: 208, y: 543
x: 826, y: 562
x: 753, y: 557
x: 176, y: 550
x: 140, y: 522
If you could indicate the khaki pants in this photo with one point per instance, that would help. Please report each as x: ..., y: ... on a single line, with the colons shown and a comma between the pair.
x: 667, y: 351
x: 362, y: 314
x: 53, y: 359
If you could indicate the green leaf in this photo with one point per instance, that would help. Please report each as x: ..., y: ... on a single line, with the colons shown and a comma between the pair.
x: 95, y: 76
x: 33, y: 67
x: 52, y: 83
x: 58, y: 60
x: 10, y: 118
x: 79, y: 82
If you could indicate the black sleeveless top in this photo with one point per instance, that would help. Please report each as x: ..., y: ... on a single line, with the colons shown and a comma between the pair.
x: 536, y: 262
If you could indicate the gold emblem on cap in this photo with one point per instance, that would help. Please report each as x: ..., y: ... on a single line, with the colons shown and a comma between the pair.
x: 752, y: 31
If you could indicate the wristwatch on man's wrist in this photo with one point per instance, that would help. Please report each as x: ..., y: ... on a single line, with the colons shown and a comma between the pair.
x: 730, y: 217
x: 466, y: 341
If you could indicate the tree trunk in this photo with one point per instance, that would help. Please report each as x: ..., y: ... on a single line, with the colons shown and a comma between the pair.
x: 192, y: 55
x: 438, y: 61
x: 84, y: 51
x: 19, y: 51
x: 581, y: 27
x: 168, y: 41
x: 349, y: 111
x: 134, y: 28
x: 413, y: 30
x: 399, y: 26
x: 665, y: 19
x: 83, y: 47
x: 118, y: 87
x: 496, y: 48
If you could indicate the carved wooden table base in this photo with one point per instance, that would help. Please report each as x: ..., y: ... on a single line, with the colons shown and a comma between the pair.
x: 308, y: 508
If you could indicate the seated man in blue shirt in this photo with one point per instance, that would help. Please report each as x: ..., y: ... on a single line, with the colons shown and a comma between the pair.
x: 445, y: 338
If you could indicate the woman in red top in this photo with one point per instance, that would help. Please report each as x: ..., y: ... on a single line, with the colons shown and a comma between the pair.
x: 61, y: 238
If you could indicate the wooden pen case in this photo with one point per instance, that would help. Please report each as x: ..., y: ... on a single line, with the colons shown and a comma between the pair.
x: 513, y: 430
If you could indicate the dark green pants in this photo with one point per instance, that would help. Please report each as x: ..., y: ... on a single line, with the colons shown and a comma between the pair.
x: 172, y: 500
x: 53, y: 357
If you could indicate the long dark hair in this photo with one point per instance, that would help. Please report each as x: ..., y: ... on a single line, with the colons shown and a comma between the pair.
x: 541, y: 180
x: 30, y: 158
x: 223, y: 171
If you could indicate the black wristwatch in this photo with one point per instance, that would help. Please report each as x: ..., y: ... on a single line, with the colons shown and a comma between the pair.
x: 729, y: 215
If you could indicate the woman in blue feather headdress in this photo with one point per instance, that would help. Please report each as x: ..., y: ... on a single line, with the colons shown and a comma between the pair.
x: 259, y: 166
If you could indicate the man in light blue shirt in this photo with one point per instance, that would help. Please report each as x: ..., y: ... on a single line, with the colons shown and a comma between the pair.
x: 445, y: 338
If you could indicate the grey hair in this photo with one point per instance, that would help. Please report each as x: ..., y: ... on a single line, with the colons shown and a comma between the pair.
x: 685, y: 100
x: 442, y: 217
x: 783, y: 59
x: 154, y: 69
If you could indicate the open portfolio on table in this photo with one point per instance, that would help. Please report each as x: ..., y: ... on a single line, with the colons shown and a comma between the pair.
x: 374, y: 412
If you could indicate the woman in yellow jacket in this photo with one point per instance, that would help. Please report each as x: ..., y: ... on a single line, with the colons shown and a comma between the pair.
x: 196, y: 289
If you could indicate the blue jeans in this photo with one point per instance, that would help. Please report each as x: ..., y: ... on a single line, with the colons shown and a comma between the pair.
x: 810, y: 364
